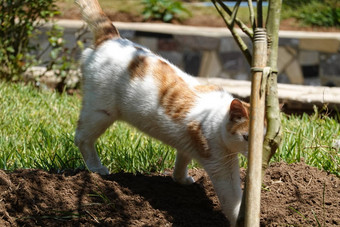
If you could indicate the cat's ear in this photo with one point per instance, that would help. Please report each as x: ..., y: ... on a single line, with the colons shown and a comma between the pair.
x: 238, y: 110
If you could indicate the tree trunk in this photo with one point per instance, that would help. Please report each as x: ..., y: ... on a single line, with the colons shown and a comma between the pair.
x: 273, y: 136
x: 263, y: 92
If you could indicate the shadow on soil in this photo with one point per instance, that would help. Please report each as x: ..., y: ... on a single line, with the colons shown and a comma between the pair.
x: 182, y: 205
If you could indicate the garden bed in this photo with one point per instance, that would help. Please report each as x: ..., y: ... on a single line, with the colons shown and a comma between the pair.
x: 294, y: 194
x: 39, y: 131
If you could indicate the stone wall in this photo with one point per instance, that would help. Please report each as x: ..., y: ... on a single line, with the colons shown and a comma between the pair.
x: 304, y: 57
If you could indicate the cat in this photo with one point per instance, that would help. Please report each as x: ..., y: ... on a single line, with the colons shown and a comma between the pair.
x: 125, y: 81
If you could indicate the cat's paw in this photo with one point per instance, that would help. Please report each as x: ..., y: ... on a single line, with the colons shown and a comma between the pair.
x: 185, y: 181
x: 101, y: 170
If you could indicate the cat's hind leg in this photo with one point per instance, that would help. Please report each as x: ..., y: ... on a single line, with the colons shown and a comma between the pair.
x: 180, y: 174
x: 91, y: 124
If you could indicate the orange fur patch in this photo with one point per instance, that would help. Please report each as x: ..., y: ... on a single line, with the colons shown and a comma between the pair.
x: 174, y: 94
x: 246, y: 105
x: 238, y: 127
x: 97, y: 20
x: 104, y: 29
x: 103, y: 35
x: 238, y: 110
x: 137, y: 67
x: 240, y: 124
x: 200, y: 142
x: 207, y: 88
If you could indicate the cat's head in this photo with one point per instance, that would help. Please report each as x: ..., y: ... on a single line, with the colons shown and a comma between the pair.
x: 237, y: 127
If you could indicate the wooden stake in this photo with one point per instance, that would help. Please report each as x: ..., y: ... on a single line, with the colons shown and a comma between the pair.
x: 262, y: 85
x: 254, y: 176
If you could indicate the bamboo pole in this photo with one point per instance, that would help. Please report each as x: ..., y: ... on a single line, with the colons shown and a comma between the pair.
x: 254, y: 171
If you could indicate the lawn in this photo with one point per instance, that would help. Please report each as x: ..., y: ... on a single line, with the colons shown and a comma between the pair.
x: 37, y: 130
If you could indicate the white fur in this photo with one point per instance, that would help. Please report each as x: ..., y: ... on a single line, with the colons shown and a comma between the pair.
x: 110, y: 95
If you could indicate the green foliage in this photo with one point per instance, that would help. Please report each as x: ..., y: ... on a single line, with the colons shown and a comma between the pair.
x: 18, y: 19
x: 62, y: 59
x: 311, y: 138
x: 37, y: 130
x: 294, y: 4
x: 314, y: 12
x: 165, y: 10
x: 126, y: 149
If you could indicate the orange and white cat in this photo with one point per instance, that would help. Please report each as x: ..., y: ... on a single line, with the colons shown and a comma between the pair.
x: 125, y: 81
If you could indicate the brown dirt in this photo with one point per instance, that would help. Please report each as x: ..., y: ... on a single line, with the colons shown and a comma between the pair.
x: 293, y: 194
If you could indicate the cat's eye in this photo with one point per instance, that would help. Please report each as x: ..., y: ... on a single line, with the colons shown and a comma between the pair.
x: 245, y: 137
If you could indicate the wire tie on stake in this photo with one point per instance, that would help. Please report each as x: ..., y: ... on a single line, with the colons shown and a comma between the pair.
x: 265, y: 73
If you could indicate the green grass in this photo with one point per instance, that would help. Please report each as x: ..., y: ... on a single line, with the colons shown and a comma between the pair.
x: 311, y: 138
x: 37, y: 130
x: 313, y: 13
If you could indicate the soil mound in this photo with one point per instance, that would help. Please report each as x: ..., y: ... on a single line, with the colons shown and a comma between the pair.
x: 294, y: 194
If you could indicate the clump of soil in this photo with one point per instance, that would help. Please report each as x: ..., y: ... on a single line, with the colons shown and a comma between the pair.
x: 300, y: 195
x: 294, y: 195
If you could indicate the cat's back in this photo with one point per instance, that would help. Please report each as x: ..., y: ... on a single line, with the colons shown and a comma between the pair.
x: 119, y: 61
x: 112, y: 56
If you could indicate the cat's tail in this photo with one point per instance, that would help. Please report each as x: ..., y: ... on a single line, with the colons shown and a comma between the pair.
x: 100, y: 25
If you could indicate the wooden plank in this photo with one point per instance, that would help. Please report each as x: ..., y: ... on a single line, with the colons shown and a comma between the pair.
x: 301, y: 96
x: 194, y: 30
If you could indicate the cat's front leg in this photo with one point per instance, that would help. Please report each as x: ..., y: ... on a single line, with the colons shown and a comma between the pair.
x: 227, y: 184
x: 180, y: 174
